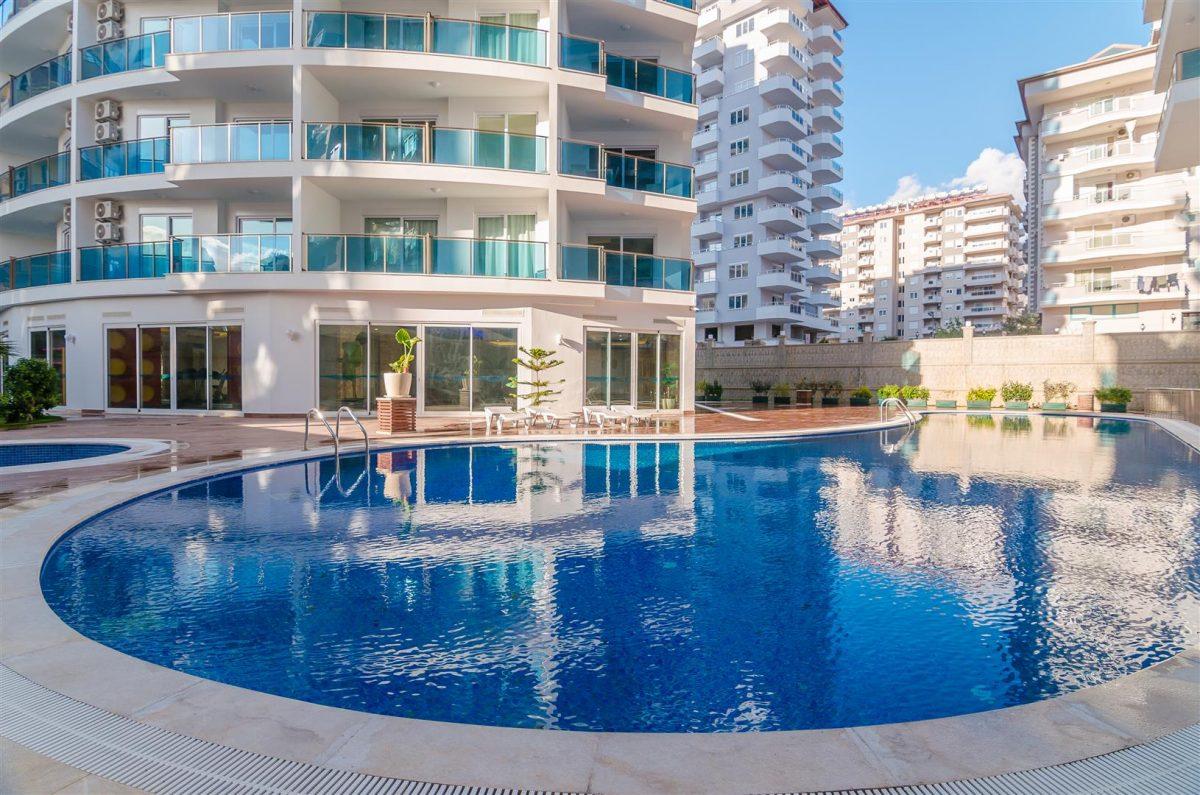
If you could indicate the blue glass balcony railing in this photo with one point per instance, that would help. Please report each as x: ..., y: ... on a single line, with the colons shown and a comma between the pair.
x: 124, y: 158
x: 45, y: 172
x: 124, y: 55
x: 231, y: 254
x: 35, y: 270
x: 437, y: 256
x: 253, y: 30
x: 39, y: 79
x: 688, y: 4
x: 403, y: 33
x: 622, y: 269
x: 588, y: 55
x: 447, y: 146
x: 231, y: 143
x: 125, y: 261
x: 10, y: 8
x: 1188, y: 65
x: 581, y: 159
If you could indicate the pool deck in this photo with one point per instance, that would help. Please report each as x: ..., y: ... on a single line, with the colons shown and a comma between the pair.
x: 59, y: 690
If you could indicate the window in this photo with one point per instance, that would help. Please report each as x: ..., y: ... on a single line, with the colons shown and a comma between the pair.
x: 739, y: 178
x: 744, y: 27
x: 742, y: 333
x: 711, y: 333
x: 158, y: 228
x: 744, y: 240
x: 744, y: 58
x: 737, y: 301
x: 155, y: 24
x: 408, y: 227
x: 742, y: 85
x: 739, y: 116
x: 738, y: 270
x: 159, y: 126
x: 739, y: 147
x: 50, y: 346
x: 190, y: 368
x: 743, y: 210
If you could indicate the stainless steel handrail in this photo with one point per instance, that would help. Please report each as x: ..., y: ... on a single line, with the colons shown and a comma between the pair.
x: 324, y: 422
x: 338, y: 426
x: 909, y: 417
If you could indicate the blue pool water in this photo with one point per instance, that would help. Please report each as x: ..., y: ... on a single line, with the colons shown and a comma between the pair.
x: 977, y: 563
x: 19, y: 455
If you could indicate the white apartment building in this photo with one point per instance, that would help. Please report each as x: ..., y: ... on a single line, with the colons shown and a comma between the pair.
x: 766, y: 152
x: 911, y: 268
x: 217, y: 206
x: 1107, y: 200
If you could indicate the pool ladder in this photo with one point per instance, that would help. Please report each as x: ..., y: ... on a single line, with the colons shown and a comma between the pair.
x: 335, y: 431
x: 909, y: 417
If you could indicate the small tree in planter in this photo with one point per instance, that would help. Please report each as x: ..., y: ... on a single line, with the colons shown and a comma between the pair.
x: 860, y: 397
x: 398, y: 383
x: 981, y: 397
x: 537, y: 361
x: 915, y: 396
x: 831, y: 393
x: 783, y: 394
x: 887, y: 391
x: 1016, y: 395
x: 761, y: 388
x: 1055, y: 395
x: 1114, y: 398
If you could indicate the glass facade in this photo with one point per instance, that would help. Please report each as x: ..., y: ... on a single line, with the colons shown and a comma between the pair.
x: 50, y: 346
x: 621, y: 364
x: 155, y: 374
x: 124, y: 55
x: 342, y: 367
x: 124, y: 158
x: 190, y: 368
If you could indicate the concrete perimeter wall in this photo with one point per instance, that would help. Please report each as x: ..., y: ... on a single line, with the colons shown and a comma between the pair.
x: 949, y: 367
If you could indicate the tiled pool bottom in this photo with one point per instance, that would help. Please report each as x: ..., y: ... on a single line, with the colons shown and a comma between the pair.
x: 22, y: 454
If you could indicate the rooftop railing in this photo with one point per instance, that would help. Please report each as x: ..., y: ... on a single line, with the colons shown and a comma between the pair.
x: 231, y: 143
x: 438, y: 35
x: 124, y: 158
x: 146, y: 51
x: 589, y: 55
x: 253, y: 30
x: 448, y: 146
x: 39, y: 79
x: 35, y: 270
x: 622, y: 269
x: 428, y: 255
x: 45, y: 172
x: 583, y: 159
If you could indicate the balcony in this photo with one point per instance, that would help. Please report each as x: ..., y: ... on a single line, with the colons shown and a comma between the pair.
x: 977, y: 279
x: 47, y: 75
x: 619, y: 269
x: 588, y: 55
x: 781, y: 23
x: 783, y: 56
x: 231, y: 143
x: 10, y: 8
x: 827, y: 66
x: 824, y: 223
x: 822, y: 299
x: 710, y: 52
x: 709, y: 109
x: 711, y: 81
x: 708, y: 199
x: 781, y: 250
x: 35, y: 270
x: 630, y: 172
x: 124, y: 158
x: 782, y: 186
x: 709, y: 229
x: 826, y: 37
x: 1118, y: 200
x: 999, y: 229
x: 1115, y: 245
x: 782, y: 122
x: 704, y: 139
x: 436, y: 256
x: 1160, y: 287
x: 782, y: 154
x: 783, y: 280
x: 825, y: 197
x: 1102, y: 157
x: 818, y: 273
x: 997, y: 309
x: 781, y: 219
x: 147, y: 51
x: 826, y: 145
x: 45, y: 172
x: 706, y: 316
x: 782, y: 89
x: 825, y: 170
x: 446, y: 146
x: 1101, y: 112
x: 1179, y: 129
x: 125, y: 261
x: 406, y: 33
x: 708, y: 257
x: 827, y: 118
x: 822, y: 249
x: 707, y: 287
x: 708, y: 167
x: 190, y: 254
x: 827, y: 92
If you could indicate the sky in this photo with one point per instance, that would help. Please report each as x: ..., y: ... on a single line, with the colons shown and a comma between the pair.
x: 931, y: 85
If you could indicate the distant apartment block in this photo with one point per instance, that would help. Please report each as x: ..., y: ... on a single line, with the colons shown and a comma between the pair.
x: 1110, y: 169
x: 908, y: 269
x: 765, y: 152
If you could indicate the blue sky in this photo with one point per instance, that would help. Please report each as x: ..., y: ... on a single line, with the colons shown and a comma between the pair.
x: 930, y: 84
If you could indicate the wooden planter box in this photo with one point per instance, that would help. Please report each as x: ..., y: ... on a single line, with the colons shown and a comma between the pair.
x: 396, y: 414
x: 946, y: 404
x: 1016, y: 405
x: 804, y: 397
x: 985, y: 405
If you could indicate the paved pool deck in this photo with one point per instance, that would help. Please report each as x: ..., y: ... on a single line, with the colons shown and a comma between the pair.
x: 84, y: 703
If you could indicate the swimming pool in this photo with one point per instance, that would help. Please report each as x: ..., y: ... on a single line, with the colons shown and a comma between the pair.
x: 33, y: 453
x: 976, y: 563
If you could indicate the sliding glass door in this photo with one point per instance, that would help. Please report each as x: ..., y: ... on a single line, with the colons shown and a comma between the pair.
x: 612, y: 359
x: 186, y: 368
x: 351, y: 361
x: 468, y: 367
x: 50, y: 345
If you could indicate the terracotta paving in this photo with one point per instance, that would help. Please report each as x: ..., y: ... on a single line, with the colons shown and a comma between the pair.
x: 202, y: 440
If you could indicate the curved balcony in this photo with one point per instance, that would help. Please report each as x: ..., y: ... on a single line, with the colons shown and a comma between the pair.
x: 187, y: 254
x: 781, y: 23
x: 827, y: 92
x: 782, y: 89
x: 781, y: 249
x: 827, y: 118
x: 821, y: 274
x: 781, y: 219
x: 826, y: 65
x: 827, y: 37
x: 231, y: 32
x: 240, y: 142
x: 446, y: 146
x: 704, y: 139
x: 124, y: 158
x: 783, y: 154
x: 125, y: 261
x: 826, y: 144
x: 1117, y: 200
x: 10, y: 8
x: 35, y: 270
x: 45, y: 172
x: 825, y: 197
x: 1124, y: 245
x: 147, y: 51
x: 590, y: 160
x: 1100, y: 113
x: 431, y: 256
x: 1104, y: 157
x: 708, y: 229
x: 580, y: 54
x: 27, y: 38
x: 408, y: 33
x: 782, y: 280
x: 49, y: 74
x: 620, y: 269
x: 825, y: 170
x: 824, y: 223
x: 782, y: 121
x: 710, y: 52
x: 782, y: 186
x: 822, y: 249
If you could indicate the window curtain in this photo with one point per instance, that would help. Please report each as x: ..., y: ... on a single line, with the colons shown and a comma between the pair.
x: 491, y: 37
x: 525, y: 46
x: 491, y: 249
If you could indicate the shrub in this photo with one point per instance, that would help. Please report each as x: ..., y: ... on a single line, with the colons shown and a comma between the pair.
x: 1016, y: 391
x: 1057, y: 391
x: 1114, y: 394
x: 701, y: 388
x: 888, y: 391
x: 782, y: 390
x: 861, y: 392
x: 987, y: 393
x: 713, y: 391
x: 913, y: 392
x: 832, y: 388
x: 760, y: 387
x: 30, y: 387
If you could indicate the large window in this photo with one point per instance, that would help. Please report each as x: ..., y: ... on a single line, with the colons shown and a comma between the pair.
x: 351, y: 362
x: 467, y: 368
x: 612, y: 359
x: 50, y: 345
x: 189, y: 368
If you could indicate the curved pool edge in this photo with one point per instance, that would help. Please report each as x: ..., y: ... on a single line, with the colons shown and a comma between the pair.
x: 135, y: 449
x: 36, y: 643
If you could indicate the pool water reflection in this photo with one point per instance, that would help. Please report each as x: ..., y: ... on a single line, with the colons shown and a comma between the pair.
x: 853, y: 579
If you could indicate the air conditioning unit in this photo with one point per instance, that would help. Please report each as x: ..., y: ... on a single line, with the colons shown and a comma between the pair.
x: 110, y: 11
x: 108, y: 232
x: 1126, y: 220
x: 1132, y: 174
x: 109, y: 210
x: 108, y: 110
x: 107, y: 31
x: 108, y: 132
x: 66, y: 215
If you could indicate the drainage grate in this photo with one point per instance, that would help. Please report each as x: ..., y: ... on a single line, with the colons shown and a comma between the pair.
x: 156, y: 760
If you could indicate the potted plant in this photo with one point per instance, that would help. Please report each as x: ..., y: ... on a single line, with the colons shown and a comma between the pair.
x: 1055, y: 395
x: 950, y: 402
x: 761, y: 388
x: 860, y: 397
x: 831, y: 393
x: 783, y: 394
x: 701, y: 390
x: 1113, y: 398
x: 713, y: 390
x: 670, y: 383
x: 887, y: 391
x: 981, y: 397
x: 804, y: 393
x: 1016, y: 395
x: 398, y: 383
x: 915, y: 396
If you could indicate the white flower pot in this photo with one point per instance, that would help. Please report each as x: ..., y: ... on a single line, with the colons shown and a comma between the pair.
x: 397, y: 384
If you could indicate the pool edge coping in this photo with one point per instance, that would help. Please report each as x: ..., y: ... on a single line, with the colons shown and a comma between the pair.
x: 1089, y: 722
x: 137, y: 449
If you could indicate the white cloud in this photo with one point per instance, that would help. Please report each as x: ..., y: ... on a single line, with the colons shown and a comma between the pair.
x: 1001, y: 172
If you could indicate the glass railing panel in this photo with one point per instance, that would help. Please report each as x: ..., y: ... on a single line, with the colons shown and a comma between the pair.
x: 45, y: 172
x: 232, y: 143
x: 581, y: 55
x: 515, y: 259
x: 365, y: 31
x: 580, y: 263
x: 128, y: 261
x: 1189, y: 65
x: 39, y: 79
x: 369, y: 142
x: 231, y: 254
x: 650, y: 78
x: 677, y: 274
x: 484, y: 149
x: 124, y: 158
x: 36, y: 270
x: 488, y: 40
x: 578, y: 159
x: 124, y: 55
x: 688, y: 4
x: 265, y: 30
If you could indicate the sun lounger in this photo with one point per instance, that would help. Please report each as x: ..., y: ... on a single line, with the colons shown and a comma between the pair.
x: 551, y: 419
x: 496, y: 416
x: 635, y: 415
x: 600, y: 416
